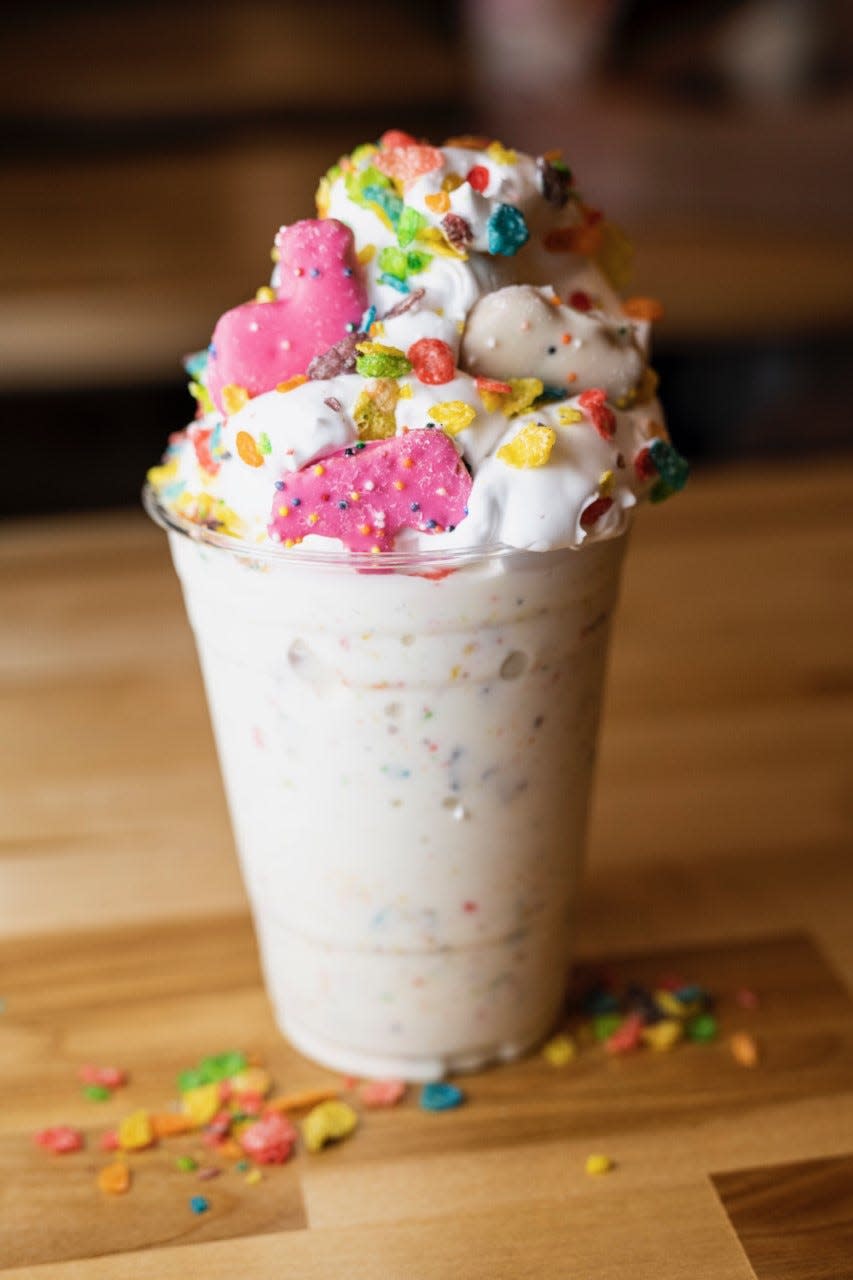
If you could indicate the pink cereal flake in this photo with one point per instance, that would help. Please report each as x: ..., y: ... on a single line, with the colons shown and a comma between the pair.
x: 61, y: 1139
x: 382, y: 1093
x: 366, y: 494
x: 109, y: 1077
x: 269, y: 1140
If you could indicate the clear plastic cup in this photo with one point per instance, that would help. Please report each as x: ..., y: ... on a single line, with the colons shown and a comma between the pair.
x: 407, y: 744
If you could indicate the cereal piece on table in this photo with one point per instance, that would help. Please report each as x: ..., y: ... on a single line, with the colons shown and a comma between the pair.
x: 328, y: 1122
x: 114, y: 1179
x: 663, y: 1035
x: 136, y: 1132
x: 61, y: 1139
x: 702, y: 1028
x: 441, y: 1096
x: 744, y: 1049
x: 597, y: 1165
x: 382, y: 1093
x: 199, y: 1204
x: 628, y: 1036
x: 302, y: 1099
x: 186, y: 1164
x: 559, y: 1051
x: 109, y: 1077
x: 201, y: 1104
x: 269, y: 1140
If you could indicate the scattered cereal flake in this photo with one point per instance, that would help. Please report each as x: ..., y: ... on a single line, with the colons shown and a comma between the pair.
x: 269, y: 1140
x: 110, y: 1077
x: 109, y: 1140
x: 744, y: 1049
x: 702, y: 1028
x: 201, y: 1103
x: 627, y: 1037
x: 382, y: 1093
x: 441, y: 1095
x: 328, y: 1122
x: 253, y: 1177
x: 136, y: 1132
x: 97, y: 1092
x: 199, y: 1204
x: 531, y: 447
x: 746, y: 998
x: 596, y: 1165
x: 568, y: 416
x: 559, y: 1051
x: 114, y: 1179
x: 168, y: 1124
x: 61, y: 1139
x: 302, y: 1099
x: 186, y: 1164
x: 664, y: 1035
x: 453, y: 415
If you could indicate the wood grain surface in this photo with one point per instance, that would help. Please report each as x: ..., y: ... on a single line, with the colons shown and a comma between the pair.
x: 720, y: 848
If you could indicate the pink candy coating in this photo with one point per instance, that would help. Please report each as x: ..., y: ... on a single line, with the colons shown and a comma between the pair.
x: 320, y: 292
x: 367, y: 494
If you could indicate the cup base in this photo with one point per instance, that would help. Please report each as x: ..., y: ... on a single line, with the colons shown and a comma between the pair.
x: 415, y: 1070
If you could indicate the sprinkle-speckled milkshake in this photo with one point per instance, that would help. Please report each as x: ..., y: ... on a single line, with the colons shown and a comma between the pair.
x: 398, y: 519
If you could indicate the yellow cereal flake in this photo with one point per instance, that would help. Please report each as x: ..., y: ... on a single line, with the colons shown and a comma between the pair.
x: 451, y: 182
x: 201, y: 1104
x: 439, y: 202
x: 366, y: 253
x: 606, y: 483
x: 379, y: 349
x: 159, y: 477
x: 568, y: 416
x: 521, y: 396
x: 664, y: 1035
x: 405, y: 392
x: 265, y: 294
x: 328, y: 1122
x: 234, y: 398
x: 596, y: 1165
x: 252, y: 1080
x: 501, y: 154
x: 559, y: 1051
x: 453, y: 415
x: 615, y: 255
x: 530, y: 448
x: 136, y: 1132
x: 323, y: 197
x: 374, y: 410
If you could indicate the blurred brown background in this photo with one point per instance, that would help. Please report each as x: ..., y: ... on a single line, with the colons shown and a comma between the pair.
x: 152, y: 149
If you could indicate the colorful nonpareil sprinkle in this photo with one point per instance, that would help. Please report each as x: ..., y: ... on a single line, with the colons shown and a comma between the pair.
x: 560, y: 1051
x: 199, y: 1204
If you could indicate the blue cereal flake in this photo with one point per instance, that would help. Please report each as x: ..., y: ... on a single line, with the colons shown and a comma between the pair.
x: 196, y: 362
x: 507, y: 230
x: 441, y: 1096
x: 672, y: 469
x: 199, y: 1204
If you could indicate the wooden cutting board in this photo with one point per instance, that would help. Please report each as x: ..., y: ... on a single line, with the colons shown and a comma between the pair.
x: 722, y: 817
x: 716, y: 1165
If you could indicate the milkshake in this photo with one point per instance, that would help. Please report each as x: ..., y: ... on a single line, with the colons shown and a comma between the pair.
x: 398, y: 519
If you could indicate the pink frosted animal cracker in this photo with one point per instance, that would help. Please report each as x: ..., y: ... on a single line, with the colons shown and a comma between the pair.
x: 321, y: 297
x: 367, y: 493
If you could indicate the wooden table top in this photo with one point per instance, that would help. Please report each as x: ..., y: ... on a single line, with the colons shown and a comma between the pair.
x: 720, y: 849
